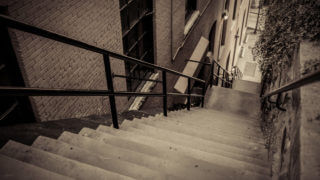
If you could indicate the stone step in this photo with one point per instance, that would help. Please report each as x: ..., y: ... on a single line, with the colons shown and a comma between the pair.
x: 111, y: 164
x: 226, y: 129
x: 14, y: 169
x: 214, y: 170
x: 55, y: 163
x: 180, y: 127
x: 188, y: 151
x: 201, y: 144
x: 208, y: 124
x: 204, y: 118
x: 111, y: 139
x: 192, y: 130
x: 220, y: 117
x: 174, y: 170
x: 233, y: 101
x: 246, y: 86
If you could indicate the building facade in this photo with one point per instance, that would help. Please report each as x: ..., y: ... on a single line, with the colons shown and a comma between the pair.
x: 163, y: 32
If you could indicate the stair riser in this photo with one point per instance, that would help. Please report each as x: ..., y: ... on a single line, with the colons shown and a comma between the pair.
x: 110, y: 164
x: 203, y: 146
x: 232, y: 101
x: 56, y: 163
x: 110, y: 139
x: 9, y: 168
x: 151, y: 162
x: 245, y: 134
x: 202, y: 133
x: 204, y: 142
x: 212, y: 158
x: 218, y: 117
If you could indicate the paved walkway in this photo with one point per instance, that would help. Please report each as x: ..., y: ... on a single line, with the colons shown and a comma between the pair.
x: 247, y: 63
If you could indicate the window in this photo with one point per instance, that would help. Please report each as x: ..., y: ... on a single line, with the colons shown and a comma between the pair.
x: 137, y: 36
x: 235, y: 9
x: 191, y: 6
x: 226, y: 5
x: 224, y: 32
x: 212, y: 35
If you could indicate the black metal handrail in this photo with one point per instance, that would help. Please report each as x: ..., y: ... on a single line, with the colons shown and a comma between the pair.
x: 310, y: 78
x: 307, y: 79
x: 224, y: 71
x: 10, y: 22
x: 225, y: 75
x: 27, y: 91
x: 140, y: 79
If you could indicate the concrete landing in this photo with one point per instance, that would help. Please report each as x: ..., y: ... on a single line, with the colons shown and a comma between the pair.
x: 246, y: 86
x: 233, y: 101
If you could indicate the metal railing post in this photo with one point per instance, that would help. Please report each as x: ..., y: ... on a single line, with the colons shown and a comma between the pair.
x: 218, y: 73
x: 203, y: 93
x: 211, y: 75
x: 164, y: 91
x: 112, y: 99
x: 223, y: 78
x: 189, y: 97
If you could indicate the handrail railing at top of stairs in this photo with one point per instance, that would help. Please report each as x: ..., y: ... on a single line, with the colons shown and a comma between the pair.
x: 28, y: 91
x: 307, y: 79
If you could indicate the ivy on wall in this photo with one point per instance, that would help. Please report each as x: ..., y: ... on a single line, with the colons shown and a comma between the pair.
x: 286, y: 25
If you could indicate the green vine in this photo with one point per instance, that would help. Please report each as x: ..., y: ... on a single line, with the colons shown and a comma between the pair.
x: 286, y: 25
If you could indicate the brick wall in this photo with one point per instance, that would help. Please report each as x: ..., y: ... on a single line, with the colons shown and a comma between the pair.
x: 178, y: 22
x: 162, y: 32
x: 49, y: 64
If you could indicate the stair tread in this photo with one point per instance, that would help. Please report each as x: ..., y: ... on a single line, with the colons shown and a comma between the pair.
x: 177, y: 130
x: 228, y: 132
x: 233, y: 101
x: 175, y: 170
x: 165, y: 123
x: 249, y: 132
x: 246, y: 86
x: 9, y: 168
x: 118, y: 138
x: 55, y: 163
x: 190, y: 141
x: 191, y: 164
x: 218, y: 116
x: 111, y: 164
x: 188, y: 151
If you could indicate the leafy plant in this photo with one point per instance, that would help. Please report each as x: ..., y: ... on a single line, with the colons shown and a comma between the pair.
x: 286, y: 25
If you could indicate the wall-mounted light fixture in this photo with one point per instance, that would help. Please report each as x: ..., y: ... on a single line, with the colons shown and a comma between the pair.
x: 225, y: 15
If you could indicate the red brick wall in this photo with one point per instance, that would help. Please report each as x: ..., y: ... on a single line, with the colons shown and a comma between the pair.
x: 49, y: 64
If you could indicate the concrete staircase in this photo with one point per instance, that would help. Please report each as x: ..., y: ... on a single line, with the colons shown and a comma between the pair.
x: 215, y: 142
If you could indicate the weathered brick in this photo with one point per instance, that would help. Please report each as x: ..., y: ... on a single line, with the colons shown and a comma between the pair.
x: 49, y: 64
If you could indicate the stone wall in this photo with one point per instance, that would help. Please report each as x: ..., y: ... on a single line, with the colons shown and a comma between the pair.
x: 310, y: 118
x: 293, y: 135
x: 49, y: 64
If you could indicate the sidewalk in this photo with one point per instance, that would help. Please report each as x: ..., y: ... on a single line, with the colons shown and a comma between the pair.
x: 247, y: 63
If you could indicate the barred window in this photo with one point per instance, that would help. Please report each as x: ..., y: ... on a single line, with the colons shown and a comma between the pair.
x: 191, y: 6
